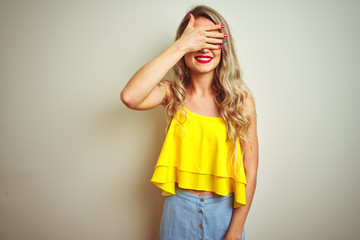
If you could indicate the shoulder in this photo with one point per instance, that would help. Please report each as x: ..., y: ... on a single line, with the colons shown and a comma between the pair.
x: 249, y: 107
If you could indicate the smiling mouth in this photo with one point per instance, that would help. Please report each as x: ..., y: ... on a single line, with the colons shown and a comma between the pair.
x: 203, y: 59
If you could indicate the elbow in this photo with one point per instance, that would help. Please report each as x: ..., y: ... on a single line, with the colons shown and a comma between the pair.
x: 131, y: 101
x: 252, y: 179
x: 124, y: 97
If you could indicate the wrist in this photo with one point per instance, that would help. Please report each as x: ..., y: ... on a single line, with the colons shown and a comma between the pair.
x: 234, y: 234
x: 179, y: 47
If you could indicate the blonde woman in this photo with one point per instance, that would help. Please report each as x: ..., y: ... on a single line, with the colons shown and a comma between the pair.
x: 207, y: 168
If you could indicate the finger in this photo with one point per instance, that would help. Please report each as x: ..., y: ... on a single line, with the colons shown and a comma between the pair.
x: 213, y: 27
x: 215, y: 34
x: 191, y: 21
x: 212, y: 46
x: 215, y: 40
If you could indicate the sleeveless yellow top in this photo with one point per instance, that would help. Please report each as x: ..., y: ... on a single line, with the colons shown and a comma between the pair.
x: 197, y: 156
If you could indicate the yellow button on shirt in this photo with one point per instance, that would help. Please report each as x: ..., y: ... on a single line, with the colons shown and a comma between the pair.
x: 197, y: 156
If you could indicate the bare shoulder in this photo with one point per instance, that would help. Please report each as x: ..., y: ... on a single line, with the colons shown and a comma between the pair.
x: 249, y: 106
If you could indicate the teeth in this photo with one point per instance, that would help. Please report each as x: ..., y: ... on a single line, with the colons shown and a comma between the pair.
x: 203, y: 59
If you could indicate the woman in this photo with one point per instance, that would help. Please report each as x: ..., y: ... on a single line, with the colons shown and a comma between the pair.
x: 208, y: 165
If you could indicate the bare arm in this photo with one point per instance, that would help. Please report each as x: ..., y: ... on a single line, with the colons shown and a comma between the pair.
x: 251, y: 161
x: 144, y: 90
x: 149, y: 77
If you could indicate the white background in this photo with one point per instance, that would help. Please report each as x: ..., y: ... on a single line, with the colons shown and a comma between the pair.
x: 75, y: 163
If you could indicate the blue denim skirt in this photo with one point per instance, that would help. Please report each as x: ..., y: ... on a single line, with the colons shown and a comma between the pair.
x: 187, y: 216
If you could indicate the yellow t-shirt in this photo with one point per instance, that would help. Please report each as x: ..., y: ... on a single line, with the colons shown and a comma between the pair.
x: 197, y: 156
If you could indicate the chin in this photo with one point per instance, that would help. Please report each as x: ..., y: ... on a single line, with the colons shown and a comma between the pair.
x: 203, y: 69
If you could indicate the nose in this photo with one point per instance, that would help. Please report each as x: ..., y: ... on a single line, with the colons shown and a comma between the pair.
x: 204, y: 50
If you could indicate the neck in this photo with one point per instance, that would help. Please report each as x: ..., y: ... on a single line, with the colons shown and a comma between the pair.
x: 201, y: 84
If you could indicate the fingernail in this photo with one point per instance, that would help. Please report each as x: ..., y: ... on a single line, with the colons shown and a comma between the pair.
x: 225, y: 35
x: 222, y: 25
x: 219, y: 46
x: 224, y: 40
x: 189, y: 15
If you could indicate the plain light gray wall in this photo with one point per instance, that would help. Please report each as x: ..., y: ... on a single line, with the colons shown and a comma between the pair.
x: 76, y: 163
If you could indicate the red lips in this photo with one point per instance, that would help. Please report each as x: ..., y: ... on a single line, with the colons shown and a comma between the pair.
x: 203, y: 59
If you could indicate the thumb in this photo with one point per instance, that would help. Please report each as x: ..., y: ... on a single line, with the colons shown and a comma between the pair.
x: 191, y: 21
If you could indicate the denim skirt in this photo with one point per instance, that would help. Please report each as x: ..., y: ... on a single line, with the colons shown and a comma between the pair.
x: 187, y: 216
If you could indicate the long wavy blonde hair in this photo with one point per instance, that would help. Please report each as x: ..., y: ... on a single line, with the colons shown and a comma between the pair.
x: 230, y: 91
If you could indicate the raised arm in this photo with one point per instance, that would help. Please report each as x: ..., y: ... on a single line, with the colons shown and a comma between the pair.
x: 146, y: 82
x: 146, y: 90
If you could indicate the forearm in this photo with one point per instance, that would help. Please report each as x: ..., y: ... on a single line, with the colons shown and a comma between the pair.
x: 146, y: 78
x: 240, y: 213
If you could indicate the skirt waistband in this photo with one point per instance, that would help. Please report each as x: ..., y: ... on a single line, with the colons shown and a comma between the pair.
x: 204, y: 199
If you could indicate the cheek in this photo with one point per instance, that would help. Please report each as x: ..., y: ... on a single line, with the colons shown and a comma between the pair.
x: 188, y: 59
x: 217, y: 56
x: 218, y: 53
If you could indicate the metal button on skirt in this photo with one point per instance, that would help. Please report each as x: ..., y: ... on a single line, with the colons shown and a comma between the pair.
x: 187, y: 216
